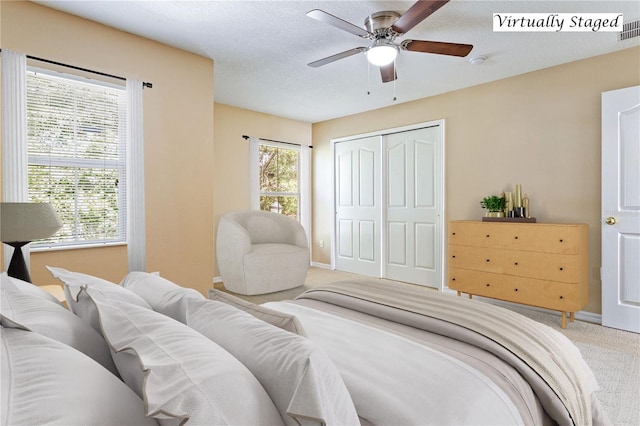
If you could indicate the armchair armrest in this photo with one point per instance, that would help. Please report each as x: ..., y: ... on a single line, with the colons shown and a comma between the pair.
x: 232, y: 239
x: 300, y: 237
x: 232, y: 244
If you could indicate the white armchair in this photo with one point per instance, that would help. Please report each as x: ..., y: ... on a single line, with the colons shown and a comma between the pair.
x: 261, y: 252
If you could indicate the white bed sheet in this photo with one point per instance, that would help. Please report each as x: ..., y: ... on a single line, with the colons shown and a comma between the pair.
x: 394, y: 380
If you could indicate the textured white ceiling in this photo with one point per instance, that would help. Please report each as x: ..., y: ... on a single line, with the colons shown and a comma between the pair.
x: 261, y: 48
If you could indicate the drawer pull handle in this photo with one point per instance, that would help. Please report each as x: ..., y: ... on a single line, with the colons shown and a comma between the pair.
x: 516, y: 263
x: 516, y: 237
x: 562, y: 241
x: 488, y: 235
x: 453, y: 233
x: 453, y: 279
x: 516, y: 289
x: 561, y: 297
x: 454, y: 256
x: 488, y: 285
x: 488, y: 260
x: 561, y: 268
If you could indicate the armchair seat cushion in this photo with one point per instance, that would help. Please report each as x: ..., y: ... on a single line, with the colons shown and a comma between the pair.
x: 271, y: 266
x: 261, y: 252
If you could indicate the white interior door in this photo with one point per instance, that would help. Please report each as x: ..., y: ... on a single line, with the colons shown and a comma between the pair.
x: 621, y: 209
x: 358, y: 206
x: 413, y: 206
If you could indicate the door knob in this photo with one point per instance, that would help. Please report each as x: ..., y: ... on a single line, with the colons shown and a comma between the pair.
x: 610, y: 221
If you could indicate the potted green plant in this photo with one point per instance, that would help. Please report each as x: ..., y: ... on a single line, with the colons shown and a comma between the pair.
x: 495, y: 205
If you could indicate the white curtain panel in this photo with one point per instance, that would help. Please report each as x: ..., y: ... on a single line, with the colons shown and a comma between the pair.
x: 14, y: 135
x: 254, y: 175
x: 305, y: 191
x: 136, y: 235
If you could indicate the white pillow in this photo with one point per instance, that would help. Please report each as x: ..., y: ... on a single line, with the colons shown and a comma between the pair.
x: 30, y: 288
x: 279, y: 319
x: 80, y: 304
x: 52, y: 320
x: 161, y: 294
x: 300, y: 378
x: 187, y: 376
x: 47, y: 382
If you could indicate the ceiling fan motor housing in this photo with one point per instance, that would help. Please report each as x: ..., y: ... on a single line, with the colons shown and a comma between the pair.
x: 380, y: 23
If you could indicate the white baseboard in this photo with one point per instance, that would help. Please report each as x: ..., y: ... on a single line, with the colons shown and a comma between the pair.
x: 589, y: 317
x: 580, y: 315
x: 217, y: 279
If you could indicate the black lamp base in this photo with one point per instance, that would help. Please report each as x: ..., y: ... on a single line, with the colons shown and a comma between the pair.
x: 18, y: 267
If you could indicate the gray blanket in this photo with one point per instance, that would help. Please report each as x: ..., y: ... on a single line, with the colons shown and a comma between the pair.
x: 551, y: 364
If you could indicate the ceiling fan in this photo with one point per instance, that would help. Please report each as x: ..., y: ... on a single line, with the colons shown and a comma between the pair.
x: 382, y: 28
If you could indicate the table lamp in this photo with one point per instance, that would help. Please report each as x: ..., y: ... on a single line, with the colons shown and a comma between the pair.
x: 21, y: 223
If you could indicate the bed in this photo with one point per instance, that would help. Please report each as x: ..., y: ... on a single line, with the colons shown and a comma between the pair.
x: 454, y: 360
x: 356, y: 352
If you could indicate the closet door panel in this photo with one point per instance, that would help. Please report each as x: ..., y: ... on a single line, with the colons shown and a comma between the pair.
x: 413, y: 200
x: 358, y: 208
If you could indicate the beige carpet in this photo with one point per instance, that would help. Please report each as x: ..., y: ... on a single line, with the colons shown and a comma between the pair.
x: 613, y: 355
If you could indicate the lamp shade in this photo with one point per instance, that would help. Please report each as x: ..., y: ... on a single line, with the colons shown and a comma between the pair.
x: 20, y: 222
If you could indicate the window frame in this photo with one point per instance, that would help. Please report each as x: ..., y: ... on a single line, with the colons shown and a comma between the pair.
x: 305, y: 208
x: 119, y: 164
x: 297, y: 194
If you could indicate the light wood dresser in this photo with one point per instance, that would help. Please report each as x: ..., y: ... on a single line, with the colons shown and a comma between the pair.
x: 537, y: 264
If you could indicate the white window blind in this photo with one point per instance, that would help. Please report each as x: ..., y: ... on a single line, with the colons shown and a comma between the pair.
x: 76, y: 137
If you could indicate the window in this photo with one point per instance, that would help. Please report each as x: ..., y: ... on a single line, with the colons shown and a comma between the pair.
x: 76, y: 141
x: 279, y: 180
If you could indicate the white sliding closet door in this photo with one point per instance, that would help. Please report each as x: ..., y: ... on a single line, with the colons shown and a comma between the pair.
x: 413, y: 203
x: 358, y: 206
x: 389, y: 205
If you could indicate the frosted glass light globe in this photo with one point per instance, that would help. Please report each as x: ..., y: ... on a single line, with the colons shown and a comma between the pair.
x: 382, y: 54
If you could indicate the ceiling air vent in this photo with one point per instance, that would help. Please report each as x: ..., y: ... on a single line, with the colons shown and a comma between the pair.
x: 630, y: 29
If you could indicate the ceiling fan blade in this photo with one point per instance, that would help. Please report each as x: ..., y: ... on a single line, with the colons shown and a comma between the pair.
x: 388, y: 72
x: 437, y: 47
x: 327, y: 18
x: 337, y: 56
x: 416, y: 14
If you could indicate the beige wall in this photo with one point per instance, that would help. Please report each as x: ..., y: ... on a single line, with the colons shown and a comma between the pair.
x: 178, y: 128
x: 231, y: 152
x: 540, y: 129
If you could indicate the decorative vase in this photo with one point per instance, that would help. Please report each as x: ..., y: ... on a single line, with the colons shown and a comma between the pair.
x: 495, y: 214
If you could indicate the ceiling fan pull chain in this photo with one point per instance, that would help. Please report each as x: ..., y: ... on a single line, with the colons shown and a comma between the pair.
x: 394, y: 81
x: 368, y: 78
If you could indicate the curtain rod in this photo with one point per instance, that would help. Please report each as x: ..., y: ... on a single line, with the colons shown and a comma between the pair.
x: 271, y: 140
x: 35, y: 58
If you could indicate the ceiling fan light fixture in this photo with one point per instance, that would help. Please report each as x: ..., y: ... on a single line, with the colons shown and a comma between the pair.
x: 382, y: 53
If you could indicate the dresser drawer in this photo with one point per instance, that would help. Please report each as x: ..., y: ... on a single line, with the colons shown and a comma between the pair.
x: 528, y: 291
x: 554, y: 267
x: 547, y: 238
